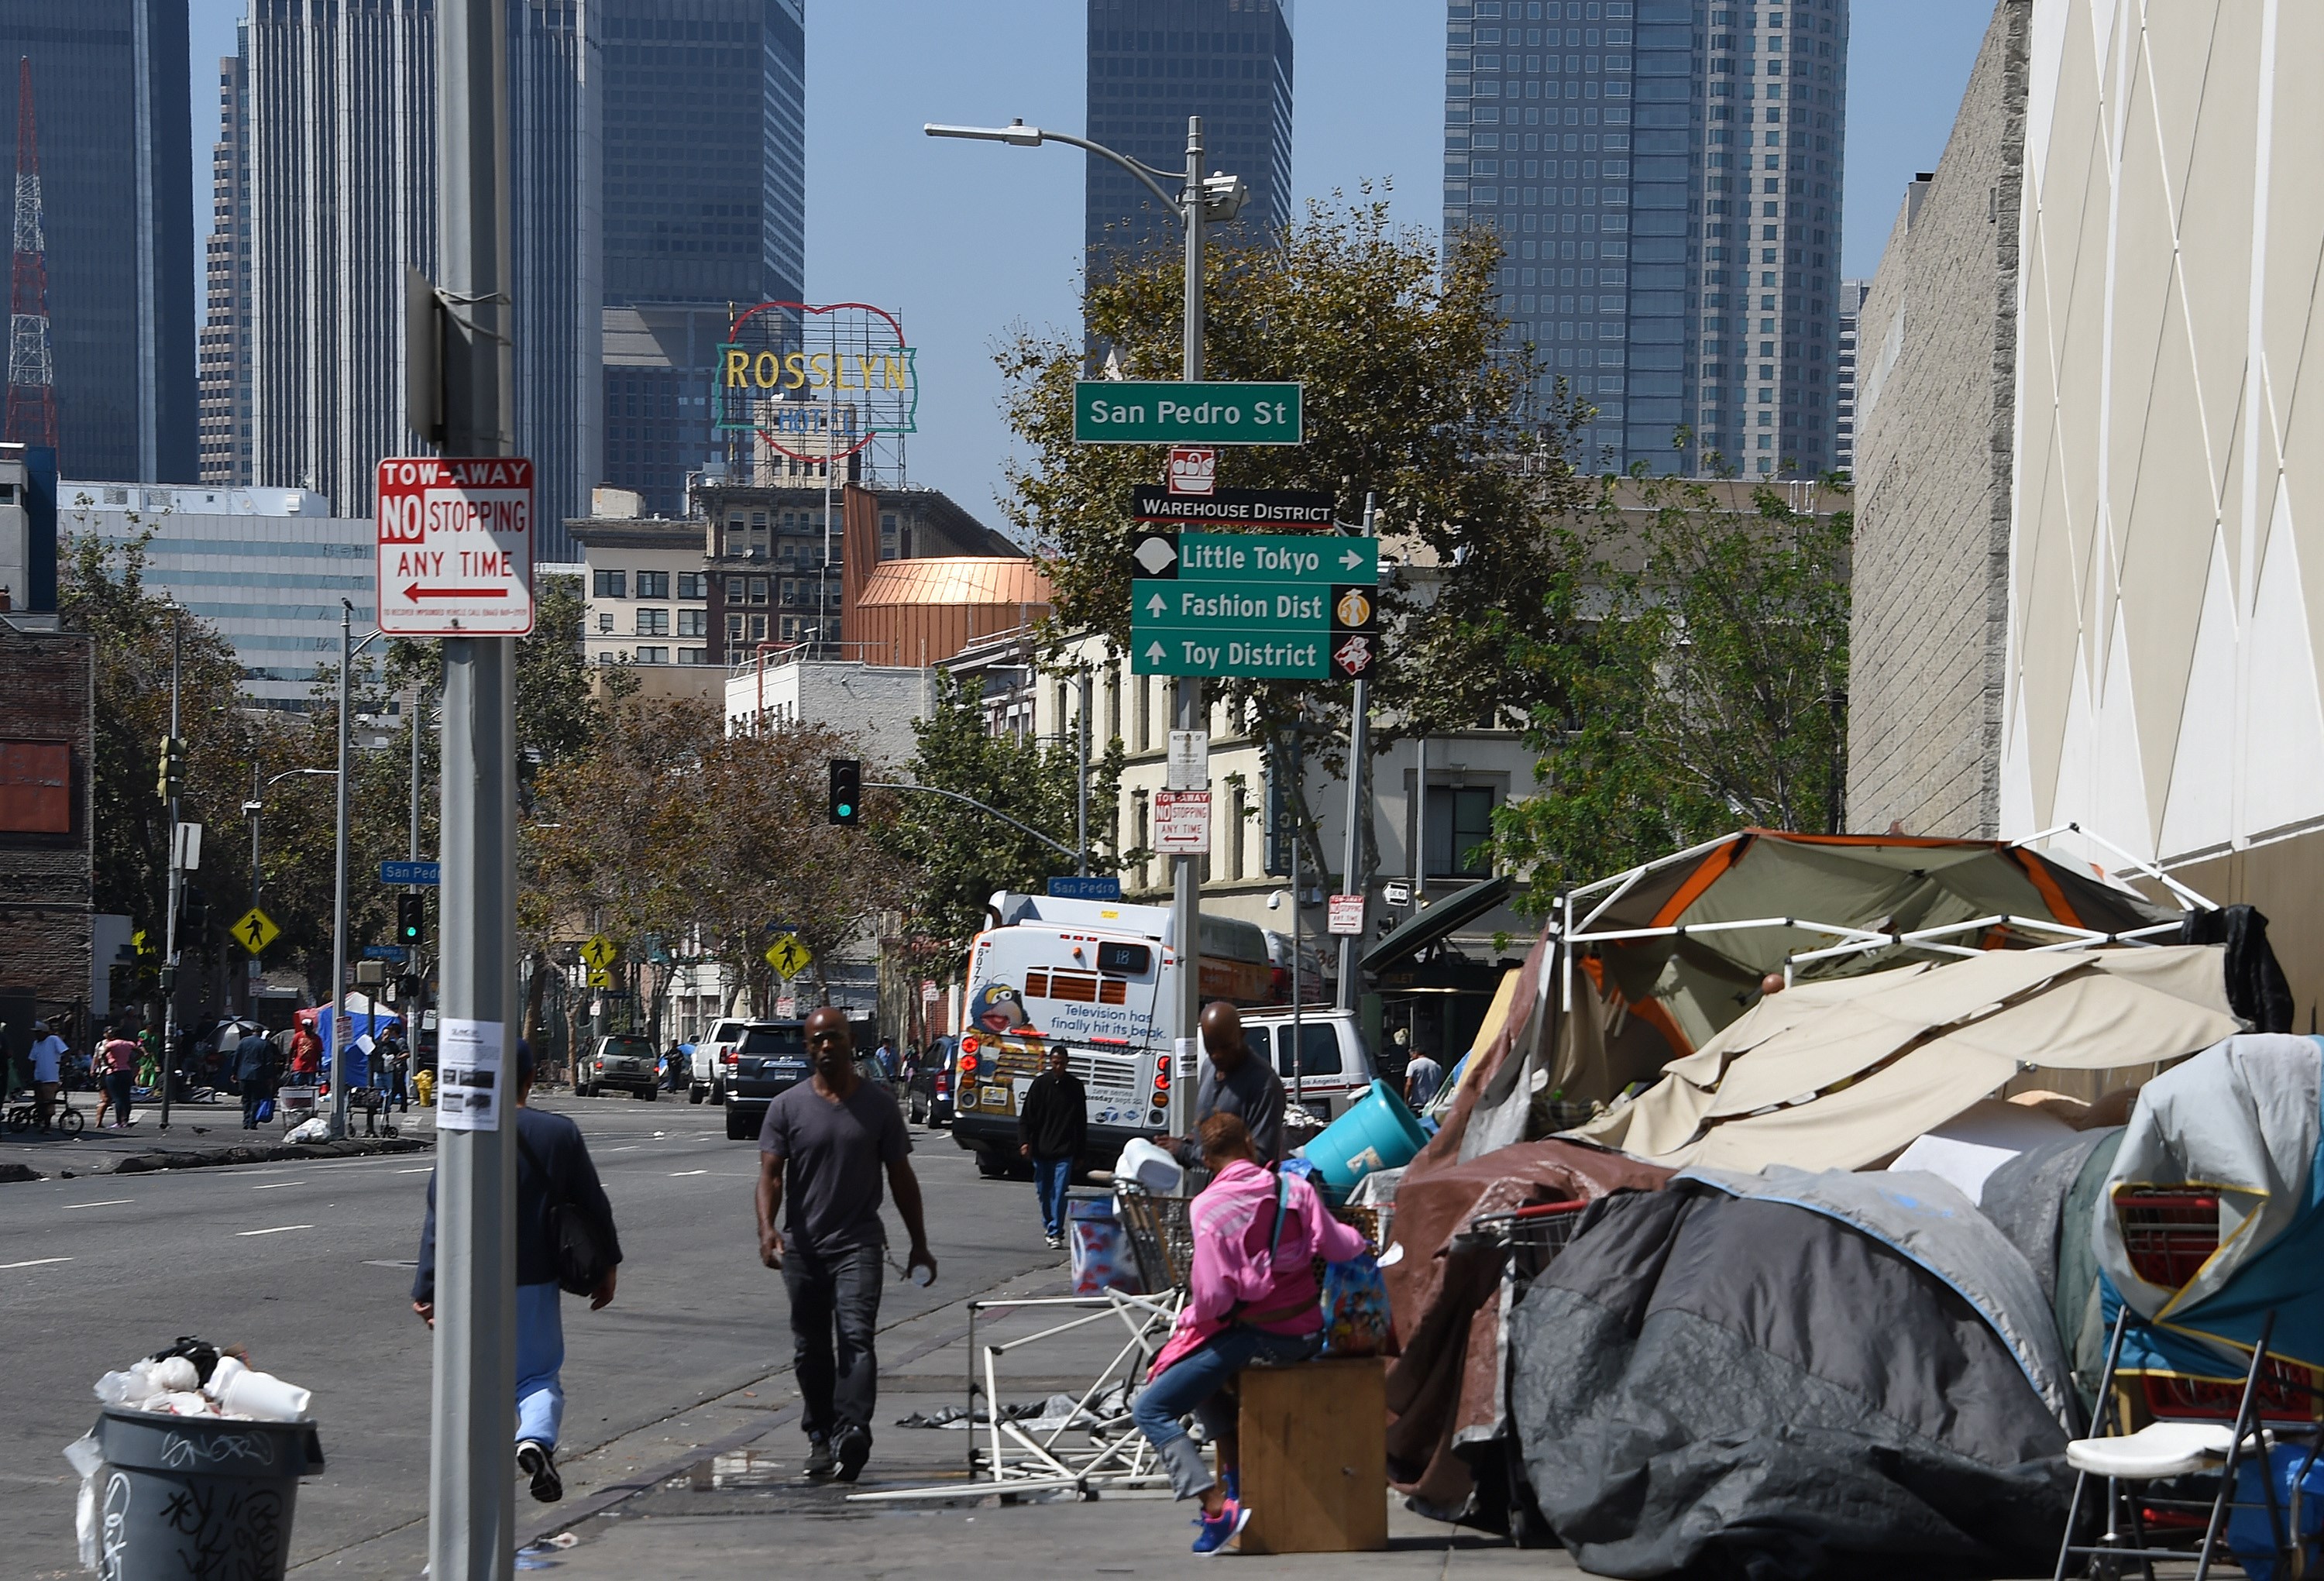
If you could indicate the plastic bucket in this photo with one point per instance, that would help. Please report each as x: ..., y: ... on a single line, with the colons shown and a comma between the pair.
x: 191, y: 1495
x: 1378, y: 1132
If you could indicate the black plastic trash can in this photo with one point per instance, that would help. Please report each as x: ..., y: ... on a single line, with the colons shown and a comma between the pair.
x: 192, y: 1495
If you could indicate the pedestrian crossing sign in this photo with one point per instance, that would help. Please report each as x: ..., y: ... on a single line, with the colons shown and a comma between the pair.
x: 787, y: 956
x: 255, y: 931
x: 598, y: 952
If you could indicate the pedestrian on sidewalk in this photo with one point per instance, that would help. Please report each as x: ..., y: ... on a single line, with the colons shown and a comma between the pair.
x: 1052, y: 1129
x: 306, y: 1056
x: 253, y: 1068
x: 116, y: 1065
x: 552, y: 1168
x: 48, y: 1057
x: 822, y: 1150
x: 1237, y: 1082
x: 1252, y: 1301
x: 1422, y: 1077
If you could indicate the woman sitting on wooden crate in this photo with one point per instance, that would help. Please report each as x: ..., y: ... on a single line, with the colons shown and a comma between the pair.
x: 1252, y: 1302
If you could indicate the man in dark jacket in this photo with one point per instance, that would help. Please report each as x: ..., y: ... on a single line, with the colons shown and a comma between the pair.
x: 1052, y: 1129
x: 253, y: 1068
x: 550, y: 1153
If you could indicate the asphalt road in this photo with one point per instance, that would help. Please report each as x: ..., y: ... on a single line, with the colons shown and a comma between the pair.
x: 309, y: 1266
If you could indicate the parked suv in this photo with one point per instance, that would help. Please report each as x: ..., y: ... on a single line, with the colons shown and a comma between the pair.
x: 707, y: 1076
x: 623, y: 1059
x: 929, y: 1100
x: 770, y: 1059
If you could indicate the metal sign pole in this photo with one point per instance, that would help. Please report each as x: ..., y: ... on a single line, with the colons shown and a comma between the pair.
x: 338, y: 1030
x: 1359, y: 726
x: 472, y: 1486
x: 177, y: 881
x: 1185, y: 899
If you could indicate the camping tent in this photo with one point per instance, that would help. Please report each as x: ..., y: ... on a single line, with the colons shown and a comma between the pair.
x: 1672, y: 951
x: 1838, y: 1074
x: 366, y: 1018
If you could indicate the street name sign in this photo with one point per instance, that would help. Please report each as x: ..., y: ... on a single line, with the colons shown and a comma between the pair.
x: 1182, y: 822
x: 254, y: 931
x: 1121, y: 411
x: 382, y: 952
x: 1254, y: 605
x: 1067, y: 887
x: 1236, y: 507
x: 419, y: 874
x: 455, y: 545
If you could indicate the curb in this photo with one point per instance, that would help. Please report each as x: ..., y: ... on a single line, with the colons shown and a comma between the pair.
x: 139, y: 1164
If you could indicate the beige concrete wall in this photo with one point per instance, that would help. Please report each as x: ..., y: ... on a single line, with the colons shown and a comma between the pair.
x: 1936, y: 381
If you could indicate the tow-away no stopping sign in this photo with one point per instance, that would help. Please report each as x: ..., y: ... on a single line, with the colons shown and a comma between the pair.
x: 455, y: 546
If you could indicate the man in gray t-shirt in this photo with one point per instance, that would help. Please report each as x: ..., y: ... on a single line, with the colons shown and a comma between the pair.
x: 825, y: 1146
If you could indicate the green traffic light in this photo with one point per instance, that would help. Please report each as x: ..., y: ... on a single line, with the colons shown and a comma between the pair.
x: 846, y: 810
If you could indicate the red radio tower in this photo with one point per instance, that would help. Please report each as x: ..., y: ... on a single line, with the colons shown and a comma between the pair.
x: 31, y: 370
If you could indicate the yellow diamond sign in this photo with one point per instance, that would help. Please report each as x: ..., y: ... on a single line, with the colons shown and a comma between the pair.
x: 787, y: 956
x: 599, y: 978
x: 255, y: 931
x: 598, y: 952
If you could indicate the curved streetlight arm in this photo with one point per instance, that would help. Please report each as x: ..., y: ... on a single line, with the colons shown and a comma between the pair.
x: 931, y: 790
x: 1018, y: 135
x: 293, y: 773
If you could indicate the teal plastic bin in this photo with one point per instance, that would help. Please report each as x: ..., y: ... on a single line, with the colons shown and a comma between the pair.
x: 1378, y: 1132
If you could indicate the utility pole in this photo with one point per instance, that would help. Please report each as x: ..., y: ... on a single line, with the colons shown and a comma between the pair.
x: 1360, y: 746
x: 177, y: 875
x: 472, y: 1486
x: 339, y: 882
x: 1186, y: 898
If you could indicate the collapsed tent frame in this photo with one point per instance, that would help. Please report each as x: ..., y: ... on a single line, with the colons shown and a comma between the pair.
x: 1852, y: 940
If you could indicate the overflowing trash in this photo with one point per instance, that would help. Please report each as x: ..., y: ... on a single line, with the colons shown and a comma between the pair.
x: 196, y: 1378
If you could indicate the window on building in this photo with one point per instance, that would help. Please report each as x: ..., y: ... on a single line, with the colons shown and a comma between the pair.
x: 653, y: 655
x: 693, y: 655
x: 653, y: 585
x: 1237, y: 818
x: 757, y: 628
x: 694, y: 622
x: 1113, y: 702
x: 1460, y: 821
x: 1145, y: 720
x: 653, y: 623
x: 604, y: 620
x: 610, y: 584
x: 1140, y: 841
x: 733, y: 627
x: 693, y: 584
x: 889, y: 545
x: 758, y: 590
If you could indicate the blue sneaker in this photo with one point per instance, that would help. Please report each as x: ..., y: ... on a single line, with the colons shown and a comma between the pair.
x: 1219, y: 1530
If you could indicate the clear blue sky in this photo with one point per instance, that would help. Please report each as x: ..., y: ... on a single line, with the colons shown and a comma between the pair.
x: 967, y: 241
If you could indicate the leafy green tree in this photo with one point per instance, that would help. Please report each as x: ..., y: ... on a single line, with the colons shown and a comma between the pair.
x: 1701, y: 684
x: 956, y: 856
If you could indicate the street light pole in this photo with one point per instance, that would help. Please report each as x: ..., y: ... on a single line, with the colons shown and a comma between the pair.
x: 1360, y: 746
x: 339, y: 883
x: 177, y: 875
x: 471, y: 1485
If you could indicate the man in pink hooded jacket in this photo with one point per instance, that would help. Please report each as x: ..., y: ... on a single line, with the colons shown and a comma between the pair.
x: 1253, y: 1301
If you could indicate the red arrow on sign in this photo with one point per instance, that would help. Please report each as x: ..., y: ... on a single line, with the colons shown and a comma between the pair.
x: 417, y: 591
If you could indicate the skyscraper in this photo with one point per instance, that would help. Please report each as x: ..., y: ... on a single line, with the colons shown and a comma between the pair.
x: 1152, y: 63
x: 226, y: 452
x: 1678, y: 262
x: 1852, y: 293
x: 342, y: 190
x: 116, y: 137
x: 705, y: 212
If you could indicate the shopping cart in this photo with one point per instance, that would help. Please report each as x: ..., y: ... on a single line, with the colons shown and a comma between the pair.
x: 1532, y: 1237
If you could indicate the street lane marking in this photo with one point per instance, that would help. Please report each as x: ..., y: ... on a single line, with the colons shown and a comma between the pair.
x: 108, y: 1202
x: 423, y: 1170
x: 35, y: 1262
x: 676, y: 1174
x: 277, y: 1185
x: 277, y: 1231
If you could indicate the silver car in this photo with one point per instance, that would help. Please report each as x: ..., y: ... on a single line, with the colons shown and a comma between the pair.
x: 623, y: 1060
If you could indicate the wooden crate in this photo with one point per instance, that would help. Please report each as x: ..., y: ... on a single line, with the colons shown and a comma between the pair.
x: 1314, y: 1457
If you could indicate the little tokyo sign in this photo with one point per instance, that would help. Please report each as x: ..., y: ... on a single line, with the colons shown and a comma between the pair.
x: 455, y: 545
x: 1287, y: 606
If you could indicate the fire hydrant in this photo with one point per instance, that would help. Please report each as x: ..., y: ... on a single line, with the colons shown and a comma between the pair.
x: 424, y: 1085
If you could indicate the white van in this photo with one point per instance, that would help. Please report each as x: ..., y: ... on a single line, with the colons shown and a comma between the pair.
x: 1334, y: 1070
x: 706, y: 1076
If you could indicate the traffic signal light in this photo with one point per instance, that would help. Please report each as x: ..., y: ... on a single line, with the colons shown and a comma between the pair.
x: 171, y: 777
x: 846, y: 791
x: 411, y: 912
x: 193, y: 911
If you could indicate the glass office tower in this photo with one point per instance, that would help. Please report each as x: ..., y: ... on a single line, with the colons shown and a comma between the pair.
x: 705, y: 212
x: 1152, y: 63
x: 1676, y: 262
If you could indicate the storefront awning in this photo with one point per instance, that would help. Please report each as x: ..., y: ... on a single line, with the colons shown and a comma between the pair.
x: 1425, y: 927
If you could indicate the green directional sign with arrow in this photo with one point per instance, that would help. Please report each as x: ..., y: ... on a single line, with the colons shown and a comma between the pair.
x: 1254, y: 605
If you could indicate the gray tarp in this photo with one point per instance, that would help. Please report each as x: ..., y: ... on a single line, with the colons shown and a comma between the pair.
x: 1718, y: 1384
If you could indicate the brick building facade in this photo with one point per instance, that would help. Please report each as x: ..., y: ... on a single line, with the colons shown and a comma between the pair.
x: 1936, y: 409
x: 47, y: 723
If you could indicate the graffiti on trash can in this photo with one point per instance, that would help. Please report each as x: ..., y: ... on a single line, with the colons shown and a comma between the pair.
x: 217, y: 1450
x: 117, y: 1521
x: 227, y: 1536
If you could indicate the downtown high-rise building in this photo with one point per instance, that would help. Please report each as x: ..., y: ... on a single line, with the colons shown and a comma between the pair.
x: 1664, y: 180
x: 113, y: 126
x: 341, y: 152
x: 1152, y: 63
x: 226, y: 446
x: 705, y: 206
x: 1845, y: 359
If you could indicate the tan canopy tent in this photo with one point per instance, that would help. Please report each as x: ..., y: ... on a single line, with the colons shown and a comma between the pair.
x: 1661, y: 959
x: 1840, y: 1073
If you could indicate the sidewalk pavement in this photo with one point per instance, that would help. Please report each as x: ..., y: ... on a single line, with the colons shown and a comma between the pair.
x: 726, y: 1496
x: 201, y: 1136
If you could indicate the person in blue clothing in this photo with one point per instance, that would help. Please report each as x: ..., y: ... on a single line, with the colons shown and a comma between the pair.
x: 550, y: 1151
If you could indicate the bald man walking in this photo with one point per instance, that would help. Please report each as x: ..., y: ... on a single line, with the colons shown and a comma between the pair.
x: 1235, y: 1082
